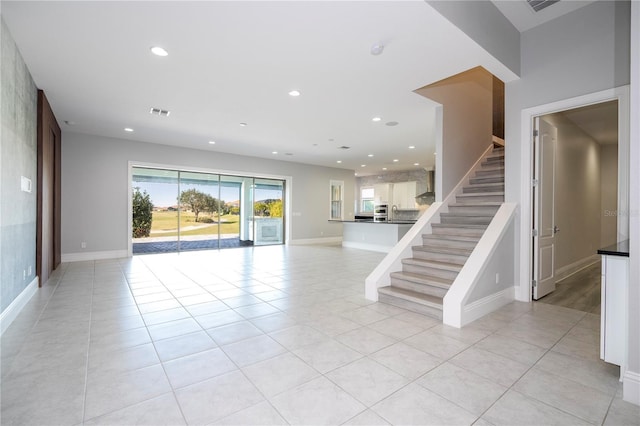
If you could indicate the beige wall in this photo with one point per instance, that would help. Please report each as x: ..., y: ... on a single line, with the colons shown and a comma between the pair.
x: 577, y: 193
x: 467, y: 122
x: 609, y: 195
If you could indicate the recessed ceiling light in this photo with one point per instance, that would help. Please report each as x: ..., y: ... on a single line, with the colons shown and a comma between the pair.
x: 69, y: 123
x: 363, y: 165
x: 128, y: 129
x: 243, y: 124
x: 391, y: 123
x: 212, y: 142
x: 294, y: 93
x: 412, y: 147
x: 416, y: 164
x: 159, y: 51
x: 384, y: 168
x: 288, y: 153
x: 331, y: 140
x: 370, y: 155
x: 376, y: 119
x: 274, y: 152
x: 339, y: 161
x: 395, y: 160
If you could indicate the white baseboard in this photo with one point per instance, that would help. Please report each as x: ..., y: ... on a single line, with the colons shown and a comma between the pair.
x: 486, y: 305
x: 310, y: 241
x: 94, y: 255
x: 631, y: 387
x: 568, y: 270
x: 365, y: 246
x: 12, y: 311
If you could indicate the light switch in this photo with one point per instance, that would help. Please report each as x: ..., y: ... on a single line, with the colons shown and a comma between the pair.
x: 25, y: 184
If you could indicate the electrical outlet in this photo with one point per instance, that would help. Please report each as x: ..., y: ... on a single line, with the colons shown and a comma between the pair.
x: 497, y: 278
x: 83, y: 245
x: 24, y: 274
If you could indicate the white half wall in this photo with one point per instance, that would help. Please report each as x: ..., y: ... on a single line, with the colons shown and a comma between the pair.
x: 95, y: 189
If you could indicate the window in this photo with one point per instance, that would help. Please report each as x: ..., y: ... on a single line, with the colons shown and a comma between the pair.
x: 366, y: 200
x: 336, y: 201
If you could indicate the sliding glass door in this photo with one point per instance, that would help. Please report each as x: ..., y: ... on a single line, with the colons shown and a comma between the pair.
x: 180, y: 211
x: 199, y: 211
x: 268, y: 211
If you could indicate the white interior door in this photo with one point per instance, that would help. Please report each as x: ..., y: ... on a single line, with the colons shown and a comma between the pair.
x: 544, y: 281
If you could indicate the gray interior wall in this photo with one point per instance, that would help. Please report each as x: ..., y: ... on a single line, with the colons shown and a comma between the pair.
x: 608, y: 194
x: 577, y: 193
x: 95, y: 188
x: 484, y: 23
x: 487, y: 282
x: 18, y: 157
x: 576, y: 54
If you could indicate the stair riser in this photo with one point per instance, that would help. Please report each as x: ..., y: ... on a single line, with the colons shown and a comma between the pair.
x: 431, y: 242
x: 433, y: 272
x: 458, y: 231
x: 417, y: 287
x: 492, y: 165
x: 410, y: 306
x: 498, y: 187
x: 485, y: 179
x: 480, y: 198
x: 474, y: 209
x: 442, y: 257
x: 490, y: 173
x: 466, y: 220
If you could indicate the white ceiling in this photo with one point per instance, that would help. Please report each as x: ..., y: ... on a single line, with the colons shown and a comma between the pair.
x: 234, y: 62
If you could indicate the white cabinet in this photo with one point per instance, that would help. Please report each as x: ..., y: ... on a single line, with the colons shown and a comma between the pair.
x: 404, y: 195
x: 613, y: 327
x: 381, y: 193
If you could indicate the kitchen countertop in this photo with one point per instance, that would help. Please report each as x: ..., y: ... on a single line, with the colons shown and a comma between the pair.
x: 390, y: 222
x: 617, y: 249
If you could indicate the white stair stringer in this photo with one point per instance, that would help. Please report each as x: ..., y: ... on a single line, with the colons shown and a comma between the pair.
x: 419, y: 272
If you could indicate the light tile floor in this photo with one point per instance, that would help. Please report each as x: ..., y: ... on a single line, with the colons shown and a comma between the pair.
x: 283, y: 335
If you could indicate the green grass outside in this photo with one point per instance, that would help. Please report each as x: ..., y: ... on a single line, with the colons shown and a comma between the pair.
x: 167, y: 221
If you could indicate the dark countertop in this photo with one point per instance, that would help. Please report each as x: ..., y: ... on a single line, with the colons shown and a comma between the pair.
x: 391, y: 222
x: 618, y: 249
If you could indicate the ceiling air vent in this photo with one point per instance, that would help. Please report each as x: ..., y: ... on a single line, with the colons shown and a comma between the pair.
x: 160, y: 112
x: 344, y: 147
x: 538, y: 5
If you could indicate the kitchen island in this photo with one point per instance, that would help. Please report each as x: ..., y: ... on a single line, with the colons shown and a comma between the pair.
x: 373, y: 236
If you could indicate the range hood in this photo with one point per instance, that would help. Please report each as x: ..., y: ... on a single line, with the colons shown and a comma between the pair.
x: 431, y: 185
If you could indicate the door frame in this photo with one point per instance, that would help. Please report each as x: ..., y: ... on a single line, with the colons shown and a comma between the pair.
x: 622, y: 95
x: 48, y: 241
x: 131, y: 164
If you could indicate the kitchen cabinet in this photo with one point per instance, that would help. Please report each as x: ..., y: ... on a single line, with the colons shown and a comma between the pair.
x: 613, y: 317
x: 404, y: 195
x: 381, y: 193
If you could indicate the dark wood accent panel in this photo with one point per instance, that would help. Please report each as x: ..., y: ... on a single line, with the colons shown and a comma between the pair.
x: 48, y: 228
x: 498, y: 107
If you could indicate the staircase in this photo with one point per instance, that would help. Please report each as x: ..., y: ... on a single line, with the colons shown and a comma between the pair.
x: 426, y: 277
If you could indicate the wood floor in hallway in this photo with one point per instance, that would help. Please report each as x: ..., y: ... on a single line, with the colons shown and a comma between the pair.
x: 580, y: 291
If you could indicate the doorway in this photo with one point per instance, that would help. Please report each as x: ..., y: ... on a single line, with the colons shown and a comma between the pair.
x: 575, y: 202
x: 175, y: 211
